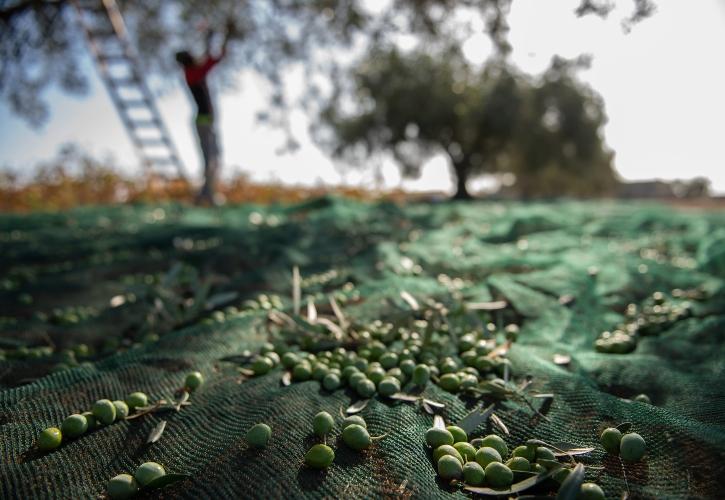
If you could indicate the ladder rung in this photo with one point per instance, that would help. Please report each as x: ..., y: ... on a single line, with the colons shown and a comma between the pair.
x: 125, y: 82
x: 144, y: 123
x: 153, y: 142
x: 135, y: 103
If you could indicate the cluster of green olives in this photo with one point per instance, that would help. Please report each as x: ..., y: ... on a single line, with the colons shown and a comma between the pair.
x: 354, y: 434
x: 103, y: 412
x: 656, y: 314
x: 480, y: 461
x: 631, y: 447
x: 124, y: 486
x: 386, y: 360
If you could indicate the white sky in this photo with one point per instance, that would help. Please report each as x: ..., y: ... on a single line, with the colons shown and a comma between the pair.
x: 663, y: 86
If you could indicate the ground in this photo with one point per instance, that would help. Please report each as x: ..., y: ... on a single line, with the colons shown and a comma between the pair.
x: 100, y: 302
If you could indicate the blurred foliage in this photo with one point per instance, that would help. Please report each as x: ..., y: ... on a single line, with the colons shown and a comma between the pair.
x: 74, y: 178
x: 41, y: 45
x: 545, y: 130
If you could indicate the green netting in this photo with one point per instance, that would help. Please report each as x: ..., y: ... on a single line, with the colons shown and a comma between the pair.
x: 59, y: 273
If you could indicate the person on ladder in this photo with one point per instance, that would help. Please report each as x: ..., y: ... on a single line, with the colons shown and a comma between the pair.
x: 195, y: 71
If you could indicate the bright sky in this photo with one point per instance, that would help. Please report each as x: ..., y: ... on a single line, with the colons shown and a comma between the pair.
x: 663, y: 85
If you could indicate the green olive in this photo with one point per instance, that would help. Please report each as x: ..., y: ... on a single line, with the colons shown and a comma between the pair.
x: 136, y: 399
x: 320, y: 456
x: 121, y: 409
x: 193, y: 380
x: 498, y: 475
x: 365, y: 388
x: 331, y: 382
x: 421, y: 375
x: 356, y: 437
x: 498, y: 444
x: 527, y: 452
x: 473, y: 474
x: 486, y: 455
x: 388, y: 386
x: 590, y: 491
x: 450, y: 382
x: 459, y: 435
x: 259, y: 435
x: 519, y: 464
x: 450, y: 467
x: 610, y: 439
x: 122, y: 487
x: 302, y: 371
x: 50, y: 439
x: 147, y: 472
x: 104, y: 411
x: 322, y: 424
x: 290, y: 359
x: 446, y: 449
x: 467, y: 451
x: 544, y: 453
x: 632, y: 447
x: 91, y: 420
x: 354, y: 419
x: 262, y: 365
x: 436, y: 437
x: 74, y: 426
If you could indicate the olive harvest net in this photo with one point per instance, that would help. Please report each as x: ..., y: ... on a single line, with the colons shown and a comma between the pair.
x: 150, y: 293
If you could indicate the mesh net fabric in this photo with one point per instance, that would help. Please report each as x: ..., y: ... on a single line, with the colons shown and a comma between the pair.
x: 528, y: 254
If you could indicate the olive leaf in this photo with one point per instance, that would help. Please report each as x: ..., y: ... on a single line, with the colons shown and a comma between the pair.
x: 219, y: 299
x: 401, y: 396
x: 487, y: 306
x: 156, y: 432
x: 434, y: 404
x: 244, y: 357
x: 624, y: 426
x: 166, y: 479
x: 499, y: 423
x: 561, y: 448
x: 428, y: 408
x: 338, y: 312
x: 357, y: 407
x: 569, y: 489
x: 286, y: 378
x: 475, y: 418
x: 514, y: 488
x: 543, y: 396
x: 438, y: 422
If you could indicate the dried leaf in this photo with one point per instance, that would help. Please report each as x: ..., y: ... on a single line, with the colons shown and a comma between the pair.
x: 500, y: 350
x: 338, y: 312
x: 475, y: 418
x: 515, y: 488
x: 157, y: 432
x: 487, y: 306
x: 334, y: 329
x: 401, y: 396
x: 499, y: 423
x: 166, y: 480
x: 569, y: 489
x: 311, y: 311
x: 438, y: 422
x: 506, y: 372
x: 357, y: 407
x: 434, y: 404
x: 410, y: 300
x: 624, y: 426
x: 286, y: 378
x: 296, y: 289
x: 183, y: 399
x: 562, y: 359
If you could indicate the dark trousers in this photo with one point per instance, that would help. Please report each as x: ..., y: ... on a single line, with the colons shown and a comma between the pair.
x: 210, y: 152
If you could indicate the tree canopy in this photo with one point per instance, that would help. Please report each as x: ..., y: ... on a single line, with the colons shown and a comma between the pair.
x: 546, y: 130
x: 41, y: 45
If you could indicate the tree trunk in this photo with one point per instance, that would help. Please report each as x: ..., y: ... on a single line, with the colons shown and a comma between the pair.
x: 461, y: 179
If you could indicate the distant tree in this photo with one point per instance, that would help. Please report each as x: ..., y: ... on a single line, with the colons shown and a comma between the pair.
x: 546, y: 131
x: 560, y: 148
x: 41, y: 45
